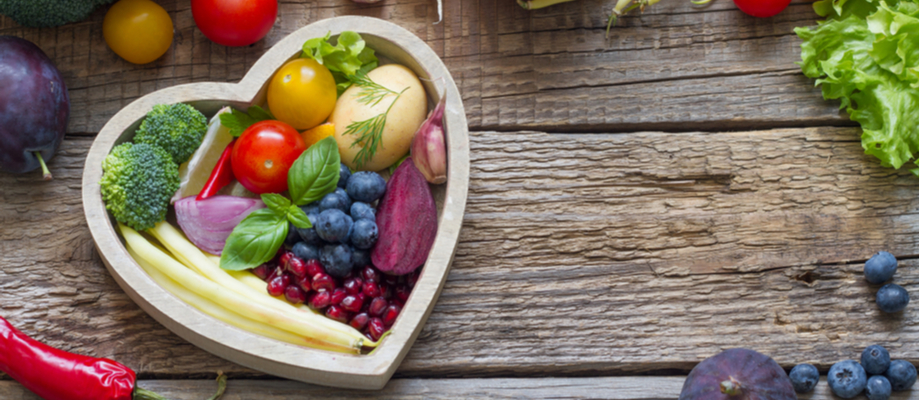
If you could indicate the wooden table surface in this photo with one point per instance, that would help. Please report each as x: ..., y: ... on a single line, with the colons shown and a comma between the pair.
x: 636, y: 205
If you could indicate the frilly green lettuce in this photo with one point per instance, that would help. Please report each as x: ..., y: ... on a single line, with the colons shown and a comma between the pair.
x: 866, y: 54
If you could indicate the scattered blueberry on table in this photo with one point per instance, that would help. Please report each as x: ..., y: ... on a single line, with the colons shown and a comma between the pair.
x: 875, y: 360
x: 847, y: 379
x: 902, y: 375
x: 892, y: 298
x: 804, y: 378
x: 881, y: 267
x: 878, y: 388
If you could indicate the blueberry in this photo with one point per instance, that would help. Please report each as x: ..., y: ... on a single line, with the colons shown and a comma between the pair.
x: 364, y: 234
x: 306, y: 251
x: 292, y: 236
x: 901, y: 374
x: 875, y: 360
x: 880, y: 267
x: 366, y: 186
x: 892, y: 298
x: 312, y: 208
x: 847, y: 379
x: 335, y: 200
x: 361, y: 210
x: 360, y: 258
x: 344, y: 174
x: 309, y: 235
x: 878, y: 388
x: 804, y: 377
x: 333, y: 225
x: 336, y: 258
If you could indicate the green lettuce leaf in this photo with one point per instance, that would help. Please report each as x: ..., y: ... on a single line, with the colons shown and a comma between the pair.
x: 348, y: 58
x: 866, y: 54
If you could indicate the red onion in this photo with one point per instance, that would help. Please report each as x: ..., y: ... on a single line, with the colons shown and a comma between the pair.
x: 208, y: 223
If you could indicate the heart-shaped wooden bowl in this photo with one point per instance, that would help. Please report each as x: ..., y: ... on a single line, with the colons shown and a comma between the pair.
x: 370, y: 371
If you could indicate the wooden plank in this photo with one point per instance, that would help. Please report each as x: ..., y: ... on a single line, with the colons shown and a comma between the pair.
x: 677, y: 67
x: 611, y: 388
x: 579, y: 254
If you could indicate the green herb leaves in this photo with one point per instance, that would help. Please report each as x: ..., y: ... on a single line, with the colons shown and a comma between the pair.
x: 237, y: 121
x: 259, y: 236
x: 315, y: 173
x: 369, y: 132
x: 254, y: 241
x: 866, y: 55
x: 348, y: 58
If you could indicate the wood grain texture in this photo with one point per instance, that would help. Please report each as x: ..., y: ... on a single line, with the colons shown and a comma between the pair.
x: 580, y: 255
x: 611, y: 388
x: 677, y: 67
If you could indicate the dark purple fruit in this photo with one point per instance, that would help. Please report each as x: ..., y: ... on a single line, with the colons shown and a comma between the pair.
x: 34, y: 107
x: 737, y: 374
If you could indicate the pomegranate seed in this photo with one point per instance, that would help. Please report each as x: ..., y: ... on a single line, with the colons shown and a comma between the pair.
x: 391, y: 280
x: 371, y: 289
x: 359, y: 321
x: 304, y: 283
x: 413, y: 278
x: 283, y: 260
x: 338, y: 295
x: 296, y: 266
x: 353, y: 302
x: 295, y: 294
x: 386, y: 291
x: 275, y: 272
x: 389, y: 316
x: 276, y: 285
x: 262, y: 271
x: 337, y: 313
x: 375, y: 328
x: 397, y: 302
x: 323, y: 281
x: 352, y: 285
x: 370, y: 274
x: 320, y: 300
x: 378, y: 304
x: 368, y: 335
x: 402, y: 293
x: 314, y: 267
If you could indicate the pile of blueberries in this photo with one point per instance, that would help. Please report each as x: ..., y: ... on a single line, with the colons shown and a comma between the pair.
x: 890, y: 298
x: 875, y: 374
x: 344, y: 224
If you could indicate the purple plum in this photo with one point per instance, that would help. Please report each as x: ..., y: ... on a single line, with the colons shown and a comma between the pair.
x: 34, y: 107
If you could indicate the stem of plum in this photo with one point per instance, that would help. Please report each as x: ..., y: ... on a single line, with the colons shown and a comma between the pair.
x: 46, y: 174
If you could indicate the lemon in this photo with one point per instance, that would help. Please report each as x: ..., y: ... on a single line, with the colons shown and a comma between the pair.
x: 320, y: 132
x: 194, y: 173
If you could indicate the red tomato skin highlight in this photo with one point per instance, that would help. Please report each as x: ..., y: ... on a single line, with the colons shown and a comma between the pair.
x: 234, y: 22
x: 263, y: 155
x: 762, y: 8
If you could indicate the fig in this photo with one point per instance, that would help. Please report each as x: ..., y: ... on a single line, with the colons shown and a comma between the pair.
x: 34, y: 107
x: 737, y: 374
x: 407, y: 222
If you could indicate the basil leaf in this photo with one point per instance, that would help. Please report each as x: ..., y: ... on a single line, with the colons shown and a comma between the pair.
x: 277, y: 203
x: 299, y: 218
x: 254, y: 241
x: 315, y: 173
x: 237, y: 121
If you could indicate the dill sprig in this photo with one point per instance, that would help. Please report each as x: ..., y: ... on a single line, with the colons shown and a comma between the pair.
x: 369, y: 132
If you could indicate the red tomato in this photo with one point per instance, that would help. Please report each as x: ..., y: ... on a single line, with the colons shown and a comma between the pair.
x: 235, y: 22
x: 762, y: 8
x: 263, y: 155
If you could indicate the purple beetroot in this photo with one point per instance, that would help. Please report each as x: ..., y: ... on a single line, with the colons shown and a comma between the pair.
x: 34, y: 107
x: 407, y: 221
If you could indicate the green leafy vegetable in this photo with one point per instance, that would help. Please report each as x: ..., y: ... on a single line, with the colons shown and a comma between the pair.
x: 177, y: 128
x: 866, y: 55
x: 254, y: 241
x: 138, y: 181
x: 237, y: 121
x: 315, y: 173
x: 259, y: 236
x: 348, y: 58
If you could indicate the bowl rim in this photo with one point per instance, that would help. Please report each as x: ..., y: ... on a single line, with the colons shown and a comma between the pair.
x: 370, y: 371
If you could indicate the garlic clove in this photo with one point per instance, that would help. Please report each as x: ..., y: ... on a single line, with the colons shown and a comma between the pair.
x: 429, y: 151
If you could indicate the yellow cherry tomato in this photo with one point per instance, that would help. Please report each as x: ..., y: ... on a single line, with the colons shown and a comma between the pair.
x: 302, y: 93
x: 139, y: 31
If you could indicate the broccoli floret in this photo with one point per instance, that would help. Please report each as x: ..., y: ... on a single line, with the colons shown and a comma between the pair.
x: 177, y: 128
x: 48, y: 13
x: 137, y: 183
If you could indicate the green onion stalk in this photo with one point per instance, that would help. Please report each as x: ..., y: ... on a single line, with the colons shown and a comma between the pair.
x: 622, y: 7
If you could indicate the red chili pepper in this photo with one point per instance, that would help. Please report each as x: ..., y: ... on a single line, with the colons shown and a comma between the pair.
x: 55, y: 374
x: 220, y: 176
